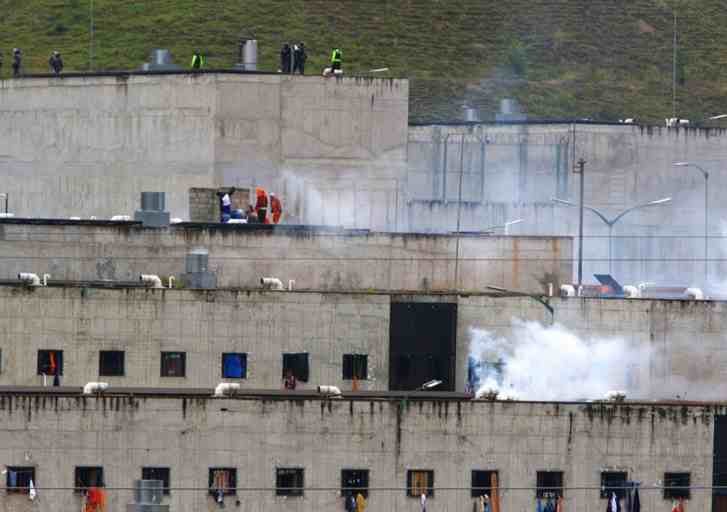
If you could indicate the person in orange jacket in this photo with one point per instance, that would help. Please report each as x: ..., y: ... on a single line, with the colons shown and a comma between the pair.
x: 261, y: 205
x: 276, y: 208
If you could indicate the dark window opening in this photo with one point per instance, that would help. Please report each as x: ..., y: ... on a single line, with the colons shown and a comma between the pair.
x: 50, y: 362
x: 355, y: 366
x: 550, y: 484
x: 88, y: 476
x: 419, y: 481
x: 157, y: 474
x: 355, y: 481
x: 483, y: 482
x: 17, y: 479
x: 613, y: 482
x: 174, y: 364
x: 422, y: 345
x: 676, y: 485
x: 111, y: 363
x: 1, y: 360
x: 289, y: 482
x: 234, y: 366
x: 223, y: 479
x: 297, y: 364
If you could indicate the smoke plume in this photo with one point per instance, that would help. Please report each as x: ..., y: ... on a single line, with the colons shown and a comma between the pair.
x: 549, y: 363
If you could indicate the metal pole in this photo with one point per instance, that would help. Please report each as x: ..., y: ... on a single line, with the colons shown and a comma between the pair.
x: 90, y: 42
x: 581, y: 171
x: 610, y: 242
x: 706, y: 228
x: 674, y: 71
x: 459, y: 214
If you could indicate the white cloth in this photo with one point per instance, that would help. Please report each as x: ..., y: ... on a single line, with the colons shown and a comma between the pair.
x: 226, y: 200
x: 31, y: 492
x: 424, y: 500
x: 614, y: 505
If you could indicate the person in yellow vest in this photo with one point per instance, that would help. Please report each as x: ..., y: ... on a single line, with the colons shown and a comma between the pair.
x: 336, y: 59
x: 198, y: 60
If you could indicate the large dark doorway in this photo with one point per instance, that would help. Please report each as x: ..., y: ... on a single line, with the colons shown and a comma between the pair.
x: 422, y: 345
x: 719, y: 467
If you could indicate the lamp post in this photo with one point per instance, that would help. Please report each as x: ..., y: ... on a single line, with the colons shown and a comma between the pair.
x: 505, y: 226
x: 705, y: 174
x: 611, y: 222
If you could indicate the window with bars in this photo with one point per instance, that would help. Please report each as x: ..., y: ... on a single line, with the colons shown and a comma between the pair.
x: 550, y: 484
x: 18, y: 478
x: 613, y: 482
x: 297, y: 364
x: 355, y: 366
x: 234, y: 365
x: 355, y: 481
x: 420, y: 481
x: 111, y: 363
x: 173, y: 364
x: 676, y: 485
x: 50, y: 362
x: 482, y: 482
x: 289, y: 481
x: 156, y: 473
x: 88, y: 476
x: 223, y: 479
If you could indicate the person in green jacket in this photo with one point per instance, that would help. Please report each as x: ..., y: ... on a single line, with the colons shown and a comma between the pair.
x: 198, y: 60
x: 336, y: 59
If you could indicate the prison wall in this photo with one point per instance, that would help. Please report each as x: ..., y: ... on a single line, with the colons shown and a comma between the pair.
x: 124, y: 433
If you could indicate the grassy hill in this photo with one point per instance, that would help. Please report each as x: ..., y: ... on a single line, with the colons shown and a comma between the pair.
x: 604, y: 59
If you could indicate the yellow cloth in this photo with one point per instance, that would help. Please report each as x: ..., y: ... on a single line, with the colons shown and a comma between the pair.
x: 360, y: 503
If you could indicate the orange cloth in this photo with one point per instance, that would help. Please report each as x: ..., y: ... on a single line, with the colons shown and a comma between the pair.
x: 276, y: 207
x: 95, y: 500
x: 494, y: 496
x: 262, y: 198
x: 52, y: 365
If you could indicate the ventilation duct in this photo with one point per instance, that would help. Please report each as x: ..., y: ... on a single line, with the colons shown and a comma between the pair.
x: 197, y: 273
x: 152, y: 214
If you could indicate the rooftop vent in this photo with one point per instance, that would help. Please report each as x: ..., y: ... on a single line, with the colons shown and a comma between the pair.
x: 152, y: 214
x: 160, y: 59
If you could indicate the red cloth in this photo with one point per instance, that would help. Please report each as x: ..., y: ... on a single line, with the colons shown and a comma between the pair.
x: 276, y: 208
x: 95, y: 500
x: 262, y: 199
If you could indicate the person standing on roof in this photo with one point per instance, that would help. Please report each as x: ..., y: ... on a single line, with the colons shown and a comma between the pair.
x: 225, y: 202
x: 55, y: 63
x: 299, y: 58
x: 285, y: 55
x: 276, y: 208
x: 336, y: 59
x: 17, y: 61
x: 261, y: 205
x: 198, y: 61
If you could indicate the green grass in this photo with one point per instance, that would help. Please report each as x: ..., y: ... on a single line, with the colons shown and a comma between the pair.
x: 604, y: 59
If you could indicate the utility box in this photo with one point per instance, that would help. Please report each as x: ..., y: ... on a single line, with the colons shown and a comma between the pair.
x: 197, y: 273
x: 152, y: 214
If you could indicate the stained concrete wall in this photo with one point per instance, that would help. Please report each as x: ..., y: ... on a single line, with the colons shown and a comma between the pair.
x: 513, y: 171
x: 88, y: 145
x: 685, y: 340
x: 314, y: 258
x: 124, y: 434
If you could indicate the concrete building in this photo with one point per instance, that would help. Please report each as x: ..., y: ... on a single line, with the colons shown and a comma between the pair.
x: 267, y: 444
x: 180, y: 338
x: 315, y: 258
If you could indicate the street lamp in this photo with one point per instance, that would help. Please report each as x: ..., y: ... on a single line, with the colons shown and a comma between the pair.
x: 705, y: 174
x: 611, y: 222
x: 505, y: 226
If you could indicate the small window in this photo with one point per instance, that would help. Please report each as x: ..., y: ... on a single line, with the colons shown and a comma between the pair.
x: 224, y: 479
x: 157, y: 474
x: 355, y: 481
x: 111, y: 363
x: 234, y: 366
x: 17, y: 479
x: 88, y: 476
x: 483, y: 481
x: 419, y: 481
x: 298, y: 364
x: 289, y: 482
x: 676, y: 485
x: 174, y: 364
x: 355, y: 366
x: 50, y: 362
x: 613, y: 482
x: 550, y: 484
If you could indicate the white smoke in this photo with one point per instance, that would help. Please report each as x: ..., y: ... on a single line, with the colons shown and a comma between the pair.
x: 550, y: 363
